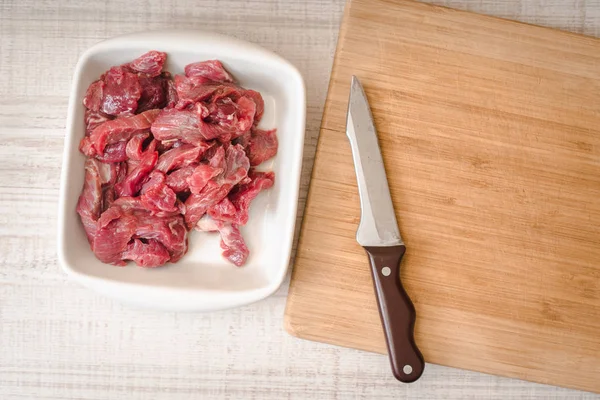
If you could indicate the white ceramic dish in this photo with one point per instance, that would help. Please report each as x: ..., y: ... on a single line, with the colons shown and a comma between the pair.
x: 202, y: 280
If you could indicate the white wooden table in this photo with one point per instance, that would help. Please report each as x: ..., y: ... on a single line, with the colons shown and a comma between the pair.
x: 60, y: 341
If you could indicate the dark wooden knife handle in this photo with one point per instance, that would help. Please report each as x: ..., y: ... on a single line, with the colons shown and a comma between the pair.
x: 397, y: 312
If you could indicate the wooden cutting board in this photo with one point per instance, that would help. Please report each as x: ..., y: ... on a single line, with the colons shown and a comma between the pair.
x: 490, y: 134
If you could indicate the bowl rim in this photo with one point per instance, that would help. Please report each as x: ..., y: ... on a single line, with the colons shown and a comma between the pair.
x: 217, y: 298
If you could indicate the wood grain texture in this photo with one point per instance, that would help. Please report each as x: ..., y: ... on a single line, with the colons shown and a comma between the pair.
x: 59, y: 341
x: 490, y: 136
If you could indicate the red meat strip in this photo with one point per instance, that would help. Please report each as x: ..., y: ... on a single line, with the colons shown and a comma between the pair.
x: 232, y: 242
x: 177, y: 180
x: 262, y: 146
x: 155, y: 179
x: 153, y: 94
x: 156, y: 195
x: 135, y: 146
x: 114, y: 153
x: 229, y: 119
x: 200, y: 177
x: 181, y: 156
x: 89, y: 205
x: 234, y: 208
x: 94, y: 95
x: 170, y: 231
x: 260, y: 104
x: 135, y: 178
x: 235, y: 168
x: 223, y: 211
x: 233, y: 245
x: 212, y: 70
x: 117, y: 173
x: 184, y: 125
x: 201, y: 89
x: 150, y: 63
x: 149, y: 255
x: 122, y: 128
x: 94, y: 119
x: 171, y: 94
x: 127, y: 220
x: 116, y: 93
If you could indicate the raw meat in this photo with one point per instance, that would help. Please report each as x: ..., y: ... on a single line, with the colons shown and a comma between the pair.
x: 262, y: 146
x: 89, y: 205
x: 135, y: 146
x: 153, y: 93
x: 212, y: 70
x: 232, y: 242
x: 184, y: 125
x: 235, y: 167
x: 119, y: 91
x: 181, y: 156
x: 200, y: 89
x: 114, y: 153
x: 167, y: 154
x: 234, y: 208
x: 177, y: 180
x: 233, y: 245
x: 132, y: 183
x: 260, y: 104
x: 150, y: 254
x: 94, y: 119
x: 120, y: 129
x: 150, y: 63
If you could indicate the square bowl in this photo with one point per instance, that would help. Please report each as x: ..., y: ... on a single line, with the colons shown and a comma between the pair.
x: 202, y: 280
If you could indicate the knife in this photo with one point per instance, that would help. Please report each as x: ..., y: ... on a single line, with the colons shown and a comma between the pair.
x: 378, y: 233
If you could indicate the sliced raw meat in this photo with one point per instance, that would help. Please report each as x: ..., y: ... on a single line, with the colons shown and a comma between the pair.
x: 260, y: 104
x: 134, y: 179
x: 262, y: 146
x: 150, y: 63
x: 93, y: 119
x: 149, y: 255
x: 122, y: 128
x: 120, y: 93
x: 234, y: 208
x: 223, y: 211
x: 114, y: 153
x: 156, y: 195
x: 89, y: 205
x: 201, y: 89
x: 232, y: 242
x: 201, y: 175
x: 171, y: 232
x: 135, y: 146
x: 170, y: 93
x: 177, y: 180
x: 233, y: 245
x: 235, y: 169
x: 174, y: 124
x: 94, y: 96
x: 242, y: 195
x: 228, y: 119
x: 167, y: 154
x: 126, y: 220
x: 181, y: 156
x: 153, y: 93
x: 211, y: 69
x: 112, y: 237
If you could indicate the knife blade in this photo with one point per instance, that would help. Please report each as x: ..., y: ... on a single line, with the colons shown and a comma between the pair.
x: 379, y: 234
